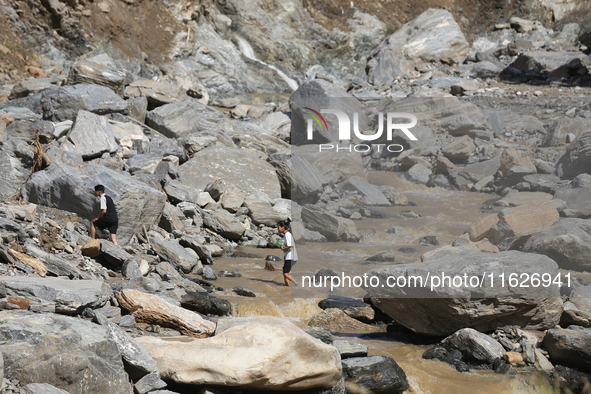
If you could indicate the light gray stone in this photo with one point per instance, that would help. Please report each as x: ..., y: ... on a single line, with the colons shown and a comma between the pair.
x: 173, y: 252
x: 223, y: 223
x: 371, y: 195
x: 69, y: 296
x: 98, y: 73
x: 91, y: 136
x: 41, y: 388
x: 474, y: 345
x: 334, y: 228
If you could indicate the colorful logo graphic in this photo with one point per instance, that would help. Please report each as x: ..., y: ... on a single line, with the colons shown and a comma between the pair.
x: 316, y: 117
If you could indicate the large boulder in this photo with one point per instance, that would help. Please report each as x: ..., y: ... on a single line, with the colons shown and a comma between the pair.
x: 568, y: 242
x: 68, y: 296
x: 186, y: 117
x: 517, y: 224
x: 72, y: 189
x: 319, y: 95
x: 300, y: 180
x: 261, y: 211
x: 63, y: 103
x: 71, y: 354
x: 258, y: 355
x: 333, y: 166
x: 371, y: 195
x: 546, y: 61
x: 157, y: 92
x: 476, y: 345
x: 445, y: 113
x: 223, y: 223
x: 91, y: 136
x: 446, y: 308
x: 334, y: 228
x: 433, y: 35
x: 94, y: 71
x: 173, y: 252
x: 577, y: 159
x: 570, y: 347
x: 576, y: 198
x: 556, y: 136
x: 236, y: 167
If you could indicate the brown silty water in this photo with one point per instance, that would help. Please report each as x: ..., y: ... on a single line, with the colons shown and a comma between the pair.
x: 444, y: 214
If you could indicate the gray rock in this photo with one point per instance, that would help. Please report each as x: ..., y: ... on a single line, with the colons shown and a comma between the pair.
x: 149, y: 383
x: 371, y: 195
x: 448, y: 309
x: 298, y: 177
x: 71, y: 189
x: 156, y: 92
x: 137, y: 358
x: 568, y: 242
x: 576, y: 198
x: 380, y: 374
x: 570, y: 347
x: 558, y: 132
x: 25, y: 130
x: 55, y: 265
x: 318, y: 94
x: 41, y: 388
x: 545, y: 61
x: 474, y: 346
x: 335, y: 167
x: 459, y: 149
x: 131, y: 270
x: 348, y: 349
x: 173, y: 252
x: 431, y: 36
x: 418, y: 174
x: 208, y: 273
x: 577, y: 158
x: 332, y: 227
x: 114, y: 254
x: 69, y: 296
x: 65, y: 102
x: 91, y: 136
x: 516, y: 174
x: 127, y: 321
x: 261, y: 211
x: 33, y: 85
x: 448, y: 113
x: 97, y: 73
x: 223, y: 223
x: 180, y: 119
x: 542, y: 182
x: 88, y: 361
x: 204, y: 254
x: 321, y: 334
x: 69, y: 158
x: 14, y: 114
x: 577, y: 310
x: 239, y: 168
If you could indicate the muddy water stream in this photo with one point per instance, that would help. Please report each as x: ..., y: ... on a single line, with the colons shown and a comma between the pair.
x: 443, y: 214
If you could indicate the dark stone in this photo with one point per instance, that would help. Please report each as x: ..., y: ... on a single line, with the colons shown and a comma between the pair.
x: 243, y: 291
x: 429, y: 240
x: 205, y: 303
x: 379, y: 374
x: 408, y: 250
x: 320, y: 333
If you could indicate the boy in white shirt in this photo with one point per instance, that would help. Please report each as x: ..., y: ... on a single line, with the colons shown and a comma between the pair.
x: 289, y: 248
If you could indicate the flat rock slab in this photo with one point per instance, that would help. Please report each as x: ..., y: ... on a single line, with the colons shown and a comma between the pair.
x: 568, y: 242
x: 546, y: 61
x: 69, y: 353
x: 255, y: 355
x: 91, y: 136
x: 69, y: 296
x: 147, y: 308
x: 348, y: 349
x: 515, y: 198
x: 236, y: 167
x: 446, y: 309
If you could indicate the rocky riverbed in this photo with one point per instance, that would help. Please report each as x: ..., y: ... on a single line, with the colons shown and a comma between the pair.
x: 222, y: 128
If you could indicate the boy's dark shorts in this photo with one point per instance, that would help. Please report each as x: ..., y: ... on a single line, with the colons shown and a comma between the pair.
x: 102, y: 223
x: 287, y: 266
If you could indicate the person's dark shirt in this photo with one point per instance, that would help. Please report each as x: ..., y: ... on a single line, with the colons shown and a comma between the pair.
x: 108, y: 204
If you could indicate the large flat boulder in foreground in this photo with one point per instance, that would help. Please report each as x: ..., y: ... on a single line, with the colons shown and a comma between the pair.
x: 69, y: 353
x: 447, y: 309
x: 236, y: 167
x: 257, y: 355
x: 72, y: 189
